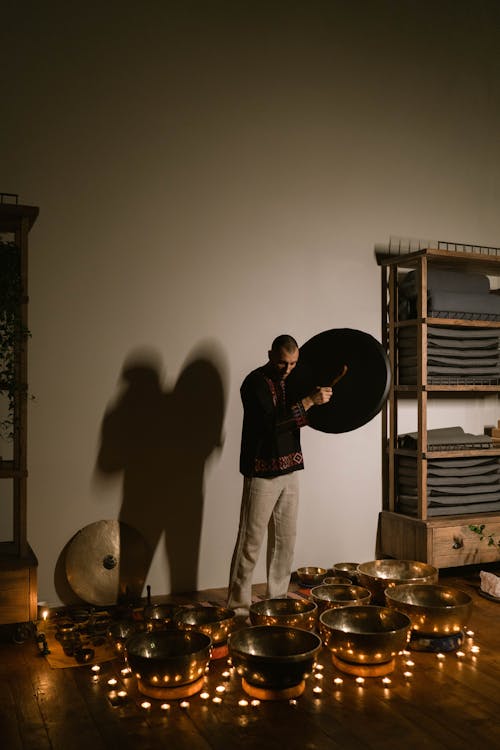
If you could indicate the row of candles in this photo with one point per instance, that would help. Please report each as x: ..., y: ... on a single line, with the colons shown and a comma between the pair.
x: 120, y: 696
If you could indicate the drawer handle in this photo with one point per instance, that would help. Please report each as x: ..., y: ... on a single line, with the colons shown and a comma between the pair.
x: 457, y: 543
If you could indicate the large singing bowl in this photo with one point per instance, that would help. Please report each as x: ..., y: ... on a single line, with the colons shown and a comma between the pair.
x: 216, y: 622
x: 168, y: 658
x: 273, y: 657
x: 365, y: 635
x: 359, y: 395
x: 378, y: 575
x: 433, y: 610
x: 329, y: 596
x: 292, y: 613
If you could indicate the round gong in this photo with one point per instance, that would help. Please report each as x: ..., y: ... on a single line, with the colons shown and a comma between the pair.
x: 100, y: 562
x: 359, y: 394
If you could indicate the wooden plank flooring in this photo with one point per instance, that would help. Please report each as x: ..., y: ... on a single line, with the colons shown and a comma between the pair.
x: 445, y: 703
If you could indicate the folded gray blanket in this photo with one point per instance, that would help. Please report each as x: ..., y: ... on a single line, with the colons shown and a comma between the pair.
x: 459, y: 282
x: 446, y: 438
x: 452, y: 510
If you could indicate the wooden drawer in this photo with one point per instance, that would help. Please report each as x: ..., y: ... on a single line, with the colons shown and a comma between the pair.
x: 18, y: 591
x: 457, y: 545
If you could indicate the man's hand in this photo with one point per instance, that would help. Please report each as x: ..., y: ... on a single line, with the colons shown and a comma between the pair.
x: 320, y: 395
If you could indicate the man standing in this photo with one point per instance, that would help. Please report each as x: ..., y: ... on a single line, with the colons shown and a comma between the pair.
x: 270, y: 457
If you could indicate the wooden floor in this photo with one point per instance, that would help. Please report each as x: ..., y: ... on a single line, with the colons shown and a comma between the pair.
x: 453, y: 702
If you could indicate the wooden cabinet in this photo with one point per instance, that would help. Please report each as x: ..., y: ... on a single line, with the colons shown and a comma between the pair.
x: 18, y: 564
x: 443, y: 541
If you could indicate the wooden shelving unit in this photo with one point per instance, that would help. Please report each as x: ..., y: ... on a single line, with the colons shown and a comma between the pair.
x: 18, y: 564
x: 443, y: 541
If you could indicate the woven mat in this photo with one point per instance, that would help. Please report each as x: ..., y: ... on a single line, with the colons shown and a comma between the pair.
x: 57, y: 659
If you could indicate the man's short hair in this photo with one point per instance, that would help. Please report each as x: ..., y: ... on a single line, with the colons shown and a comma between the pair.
x: 284, y: 341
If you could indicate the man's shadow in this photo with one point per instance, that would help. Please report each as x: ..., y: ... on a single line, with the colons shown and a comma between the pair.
x: 160, y: 442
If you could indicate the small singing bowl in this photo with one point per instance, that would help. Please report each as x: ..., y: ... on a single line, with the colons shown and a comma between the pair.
x: 348, y: 569
x: 216, y: 622
x: 160, y: 616
x: 292, y: 613
x: 329, y: 596
x: 119, y: 631
x: 433, y: 610
x: 365, y: 635
x: 337, y: 580
x: 378, y: 575
x: 167, y: 658
x: 273, y: 657
x: 311, y: 576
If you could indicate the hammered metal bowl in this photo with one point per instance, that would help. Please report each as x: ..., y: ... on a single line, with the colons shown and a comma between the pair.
x: 348, y: 569
x: 367, y: 635
x: 119, y: 631
x: 311, y: 576
x: 336, y: 580
x: 167, y: 658
x: 292, y: 613
x: 273, y: 657
x: 216, y: 622
x: 378, y: 575
x: 329, y: 596
x: 433, y: 610
x: 160, y: 616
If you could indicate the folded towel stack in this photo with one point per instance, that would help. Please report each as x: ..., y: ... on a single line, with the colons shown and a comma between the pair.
x: 467, y: 484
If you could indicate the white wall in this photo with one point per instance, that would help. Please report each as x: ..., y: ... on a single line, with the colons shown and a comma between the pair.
x: 210, y: 174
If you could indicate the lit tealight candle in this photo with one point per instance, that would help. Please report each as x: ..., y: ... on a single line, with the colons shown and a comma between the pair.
x: 469, y: 633
x: 242, y: 702
x: 318, y: 676
x: 95, y: 678
x: 292, y: 702
x: 220, y: 689
x: 204, y: 696
x: 460, y: 654
x: 319, y: 666
x: 217, y: 699
x: 386, y: 680
x: 475, y: 649
x: 125, y: 671
x: 440, y: 656
x: 112, y: 681
x: 226, y: 673
x: 338, y: 681
x: 317, y: 690
x: 165, y: 706
x: 360, y: 680
x: 122, y: 693
x: 255, y: 702
x: 407, y: 674
x: 410, y: 663
x: 146, y: 705
x: 184, y: 705
x: 96, y: 668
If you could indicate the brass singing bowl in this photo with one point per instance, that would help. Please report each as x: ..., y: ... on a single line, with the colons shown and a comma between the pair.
x: 159, y: 616
x: 216, y: 622
x: 273, y: 657
x: 339, y: 580
x: 348, y: 569
x: 292, y: 613
x: 433, y: 610
x: 366, y: 634
x: 168, y: 658
x: 378, y: 575
x: 329, y: 596
x: 118, y: 632
x: 311, y: 576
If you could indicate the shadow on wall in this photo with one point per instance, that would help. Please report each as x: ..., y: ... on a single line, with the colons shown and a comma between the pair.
x: 160, y: 441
